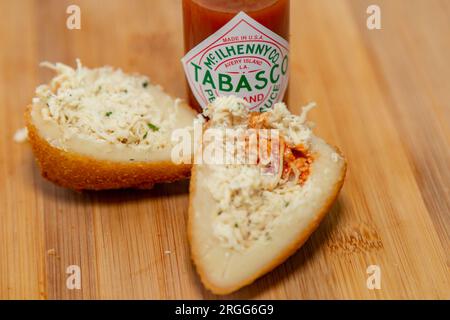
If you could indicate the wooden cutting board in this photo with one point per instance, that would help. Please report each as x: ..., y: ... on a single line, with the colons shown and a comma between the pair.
x: 384, y: 99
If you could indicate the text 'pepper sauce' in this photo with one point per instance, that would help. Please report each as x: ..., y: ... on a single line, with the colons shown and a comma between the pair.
x: 236, y: 47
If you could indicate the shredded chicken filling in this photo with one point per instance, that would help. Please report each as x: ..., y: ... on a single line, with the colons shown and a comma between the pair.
x: 296, y: 158
x: 250, y: 203
x: 107, y: 105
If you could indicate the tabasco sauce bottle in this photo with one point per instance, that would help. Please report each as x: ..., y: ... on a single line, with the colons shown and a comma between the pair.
x: 236, y: 47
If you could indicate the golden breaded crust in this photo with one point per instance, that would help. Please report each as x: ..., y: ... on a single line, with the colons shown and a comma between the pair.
x: 79, y: 172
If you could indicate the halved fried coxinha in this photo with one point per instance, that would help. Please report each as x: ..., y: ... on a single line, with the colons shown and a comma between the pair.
x: 240, y: 225
x: 93, y: 129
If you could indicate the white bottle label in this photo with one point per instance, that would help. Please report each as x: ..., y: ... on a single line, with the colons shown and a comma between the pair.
x: 243, y: 58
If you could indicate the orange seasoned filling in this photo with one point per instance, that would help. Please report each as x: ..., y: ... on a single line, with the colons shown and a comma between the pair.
x: 297, y: 162
x: 297, y: 159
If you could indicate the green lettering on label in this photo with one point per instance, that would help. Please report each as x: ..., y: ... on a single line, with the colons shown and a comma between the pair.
x: 208, y: 79
x: 272, y: 79
x: 231, y: 51
x: 196, y: 68
x: 250, y: 48
x: 285, y: 65
x: 243, y: 83
x: 259, y: 49
x: 209, y: 61
x: 260, y: 77
x: 225, y: 82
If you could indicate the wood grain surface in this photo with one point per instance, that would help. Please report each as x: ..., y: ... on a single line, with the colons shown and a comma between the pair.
x: 384, y: 99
